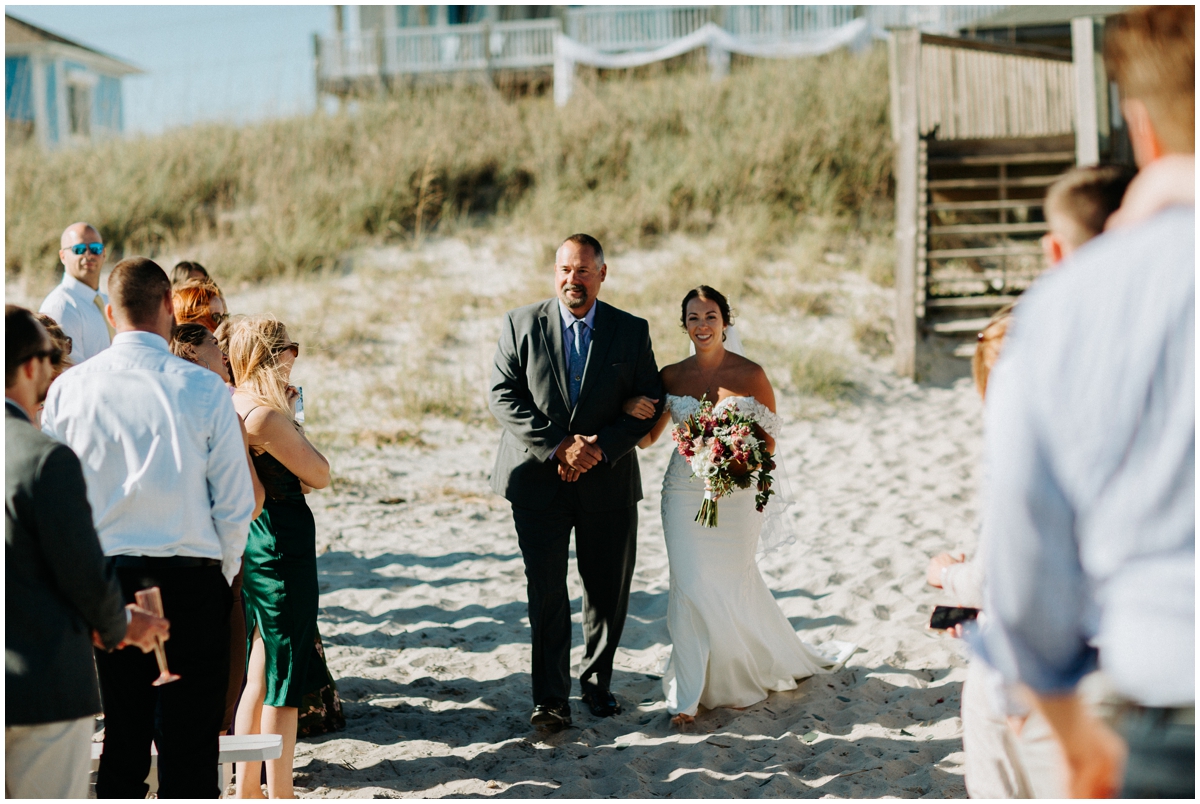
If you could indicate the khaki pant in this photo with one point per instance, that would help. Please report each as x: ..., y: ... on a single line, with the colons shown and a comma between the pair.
x: 49, y: 760
x: 999, y: 764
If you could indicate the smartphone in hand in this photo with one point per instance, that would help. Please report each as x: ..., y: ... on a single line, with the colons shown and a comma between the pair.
x: 299, y: 405
x: 946, y: 617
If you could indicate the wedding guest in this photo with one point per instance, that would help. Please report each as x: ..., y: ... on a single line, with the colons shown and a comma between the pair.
x: 280, y: 589
x: 197, y: 345
x: 61, y: 360
x: 186, y: 270
x: 199, y: 301
x: 1089, y: 517
x: 77, y: 303
x: 60, y: 593
x: 1010, y: 750
x: 61, y: 340
x: 1077, y: 206
x: 165, y: 466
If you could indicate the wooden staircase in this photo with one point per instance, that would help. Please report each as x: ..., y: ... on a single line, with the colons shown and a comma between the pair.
x: 979, y: 223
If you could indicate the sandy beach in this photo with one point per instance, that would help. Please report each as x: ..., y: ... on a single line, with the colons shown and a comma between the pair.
x: 423, y: 591
x: 424, y: 619
x: 423, y: 609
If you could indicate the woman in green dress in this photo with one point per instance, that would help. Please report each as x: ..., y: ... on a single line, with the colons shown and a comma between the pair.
x: 280, y: 587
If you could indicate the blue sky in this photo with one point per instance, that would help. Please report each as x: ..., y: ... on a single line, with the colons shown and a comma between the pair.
x: 202, y: 63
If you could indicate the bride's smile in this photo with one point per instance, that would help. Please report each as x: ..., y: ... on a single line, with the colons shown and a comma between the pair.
x: 705, y: 323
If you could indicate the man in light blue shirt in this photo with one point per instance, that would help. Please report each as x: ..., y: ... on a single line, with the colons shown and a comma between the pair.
x: 1090, y: 511
x: 171, y: 495
x: 77, y: 303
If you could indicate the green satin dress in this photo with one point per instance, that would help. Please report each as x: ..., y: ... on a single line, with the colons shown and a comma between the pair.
x: 280, y: 590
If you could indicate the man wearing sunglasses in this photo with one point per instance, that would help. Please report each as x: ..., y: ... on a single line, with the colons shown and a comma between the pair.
x: 77, y: 303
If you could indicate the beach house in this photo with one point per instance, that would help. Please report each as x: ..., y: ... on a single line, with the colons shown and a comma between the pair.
x: 59, y: 92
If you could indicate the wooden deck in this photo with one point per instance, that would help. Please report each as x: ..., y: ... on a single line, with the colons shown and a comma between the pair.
x: 376, y: 58
x: 982, y: 130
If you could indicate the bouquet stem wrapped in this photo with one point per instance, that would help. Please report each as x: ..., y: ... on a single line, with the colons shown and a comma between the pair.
x: 725, y: 453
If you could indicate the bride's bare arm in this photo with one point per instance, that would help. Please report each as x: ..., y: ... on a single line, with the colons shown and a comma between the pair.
x: 639, y: 407
x: 659, y: 426
x: 765, y: 394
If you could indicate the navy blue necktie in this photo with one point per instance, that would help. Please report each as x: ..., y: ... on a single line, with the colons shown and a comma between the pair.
x: 577, y: 359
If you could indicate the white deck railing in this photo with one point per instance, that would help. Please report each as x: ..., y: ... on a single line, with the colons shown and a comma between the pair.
x: 524, y: 44
x: 775, y: 23
x: 529, y: 44
x: 614, y: 29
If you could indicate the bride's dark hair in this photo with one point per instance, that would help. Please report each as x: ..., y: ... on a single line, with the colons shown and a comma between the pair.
x: 706, y: 293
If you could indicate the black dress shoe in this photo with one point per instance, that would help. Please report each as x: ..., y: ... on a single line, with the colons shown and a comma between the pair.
x: 554, y: 713
x: 602, y: 702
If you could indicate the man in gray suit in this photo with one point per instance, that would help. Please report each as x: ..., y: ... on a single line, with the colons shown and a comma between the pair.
x: 563, y: 369
x: 61, y: 595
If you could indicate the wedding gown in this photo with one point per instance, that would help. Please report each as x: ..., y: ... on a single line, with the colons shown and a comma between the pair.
x: 731, y: 643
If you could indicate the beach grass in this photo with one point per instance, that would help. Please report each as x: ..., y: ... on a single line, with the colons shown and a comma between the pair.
x: 630, y: 160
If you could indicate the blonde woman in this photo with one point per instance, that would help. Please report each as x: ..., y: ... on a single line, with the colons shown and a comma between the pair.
x: 280, y: 586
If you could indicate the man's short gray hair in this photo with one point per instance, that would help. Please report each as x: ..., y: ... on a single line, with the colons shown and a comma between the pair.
x: 589, y: 241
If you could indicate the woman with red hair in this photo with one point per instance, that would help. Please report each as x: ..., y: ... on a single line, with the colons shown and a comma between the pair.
x: 199, y: 301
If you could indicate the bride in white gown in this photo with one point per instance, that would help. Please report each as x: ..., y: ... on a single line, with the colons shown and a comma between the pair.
x: 731, y: 643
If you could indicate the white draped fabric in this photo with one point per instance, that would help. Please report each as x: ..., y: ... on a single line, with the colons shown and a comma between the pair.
x: 720, y: 43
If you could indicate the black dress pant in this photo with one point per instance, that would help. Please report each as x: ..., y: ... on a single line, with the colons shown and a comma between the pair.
x: 605, y: 549
x: 183, y: 717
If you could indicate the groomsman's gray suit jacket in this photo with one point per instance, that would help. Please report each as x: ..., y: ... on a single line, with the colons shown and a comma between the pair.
x: 58, y: 584
x: 529, y: 398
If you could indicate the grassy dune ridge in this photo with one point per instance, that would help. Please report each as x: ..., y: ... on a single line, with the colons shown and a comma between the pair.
x: 629, y: 160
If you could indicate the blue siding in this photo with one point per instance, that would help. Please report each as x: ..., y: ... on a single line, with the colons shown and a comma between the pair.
x: 106, y: 104
x: 18, y: 88
x: 51, y: 102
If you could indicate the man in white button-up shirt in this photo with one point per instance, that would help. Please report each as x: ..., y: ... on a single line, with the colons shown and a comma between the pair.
x: 172, y: 499
x: 77, y: 303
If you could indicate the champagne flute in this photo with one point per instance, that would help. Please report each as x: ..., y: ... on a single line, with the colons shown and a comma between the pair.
x: 151, y: 600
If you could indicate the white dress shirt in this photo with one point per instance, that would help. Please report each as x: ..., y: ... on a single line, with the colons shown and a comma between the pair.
x: 1089, y: 537
x: 161, y: 450
x: 73, y: 305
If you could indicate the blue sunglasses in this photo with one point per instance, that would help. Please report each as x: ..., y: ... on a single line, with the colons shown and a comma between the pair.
x: 81, y: 248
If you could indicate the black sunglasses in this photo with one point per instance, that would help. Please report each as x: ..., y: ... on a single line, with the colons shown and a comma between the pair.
x: 82, y: 248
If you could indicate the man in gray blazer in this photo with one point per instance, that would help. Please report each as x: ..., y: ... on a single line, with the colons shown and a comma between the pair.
x: 61, y: 595
x: 563, y: 369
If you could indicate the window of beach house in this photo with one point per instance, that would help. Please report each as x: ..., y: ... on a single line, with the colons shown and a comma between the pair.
x: 79, y: 109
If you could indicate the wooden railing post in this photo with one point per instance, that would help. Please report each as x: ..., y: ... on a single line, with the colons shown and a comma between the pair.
x: 904, y: 54
x: 316, y: 41
x: 380, y: 63
x: 1087, y: 131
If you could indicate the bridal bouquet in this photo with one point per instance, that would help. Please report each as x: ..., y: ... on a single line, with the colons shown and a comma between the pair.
x: 724, y: 452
